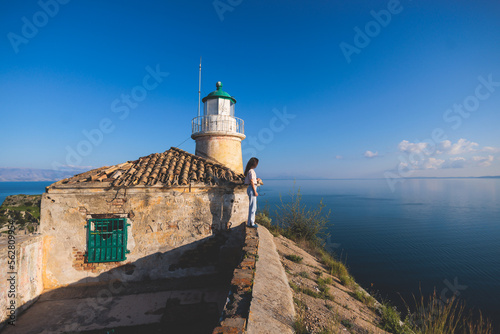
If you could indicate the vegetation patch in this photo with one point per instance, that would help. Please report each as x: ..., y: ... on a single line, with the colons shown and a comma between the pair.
x: 305, y: 291
x: 364, y: 297
x: 346, y: 323
x: 22, y: 210
x: 391, y: 321
x: 326, y: 280
x: 304, y: 274
x: 433, y: 316
x: 294, y: 258
x: 324, y: 289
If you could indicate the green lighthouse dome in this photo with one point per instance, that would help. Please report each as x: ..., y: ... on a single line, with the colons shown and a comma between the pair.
x: 218, y: 94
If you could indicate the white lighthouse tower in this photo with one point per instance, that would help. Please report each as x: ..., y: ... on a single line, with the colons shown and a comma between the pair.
x: 218, y: 134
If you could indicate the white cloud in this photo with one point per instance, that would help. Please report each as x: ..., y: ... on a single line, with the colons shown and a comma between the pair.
x: 407, y: 147
x: 370, y: 154
x: 462, y: 146
x: 443, y: 155
x: 490, y: 149
x: 483, y: 161
x: 443, y: 147
x: 339, y: 157
x: 456, y: 162
x: 462, y: 162
x: 432, y: 163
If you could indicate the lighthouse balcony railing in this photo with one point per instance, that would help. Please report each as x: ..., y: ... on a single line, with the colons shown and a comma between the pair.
x: 217, y: 123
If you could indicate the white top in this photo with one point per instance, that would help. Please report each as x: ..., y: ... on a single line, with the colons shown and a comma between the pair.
x: 251, y: 176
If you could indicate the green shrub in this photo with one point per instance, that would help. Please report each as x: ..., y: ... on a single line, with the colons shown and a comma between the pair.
x: 347, y: 280
x: 391, y: 321
x: 328, y: 280
x: 300, y: 223
x: 294, y: 258
x: 324, y: 281
x: 263, y: 218
x: 346, y: 323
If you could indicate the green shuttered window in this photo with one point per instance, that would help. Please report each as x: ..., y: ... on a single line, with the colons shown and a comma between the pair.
x: 107, y: 240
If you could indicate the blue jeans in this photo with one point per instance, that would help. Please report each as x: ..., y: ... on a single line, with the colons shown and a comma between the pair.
x: 252, y: 208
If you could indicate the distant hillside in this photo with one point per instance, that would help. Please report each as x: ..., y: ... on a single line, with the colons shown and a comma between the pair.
x: 30, y: 174
x: 23, y: 211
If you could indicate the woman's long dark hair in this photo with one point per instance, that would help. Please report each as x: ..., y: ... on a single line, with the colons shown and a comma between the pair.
x: 252, y: 163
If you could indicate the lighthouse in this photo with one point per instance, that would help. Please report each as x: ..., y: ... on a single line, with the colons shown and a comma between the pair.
x: 218, y: 134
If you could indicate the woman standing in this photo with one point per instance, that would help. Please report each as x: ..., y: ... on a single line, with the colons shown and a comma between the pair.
x: 252, y: 181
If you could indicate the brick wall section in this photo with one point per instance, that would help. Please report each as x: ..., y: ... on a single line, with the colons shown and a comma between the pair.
x: 235, y: 314
x: 80, y: 263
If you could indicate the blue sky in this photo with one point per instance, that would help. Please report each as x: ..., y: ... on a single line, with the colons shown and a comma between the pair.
x: 326, y: 88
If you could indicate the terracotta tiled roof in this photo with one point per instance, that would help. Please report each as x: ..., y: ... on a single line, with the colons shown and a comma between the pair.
x: 174, y: 167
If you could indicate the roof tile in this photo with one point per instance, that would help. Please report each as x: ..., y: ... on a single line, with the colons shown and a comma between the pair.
x: 173, y: 167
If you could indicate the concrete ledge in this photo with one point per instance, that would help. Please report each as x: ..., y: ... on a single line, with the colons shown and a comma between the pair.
x: 235, y: 314
x: 272, y: 309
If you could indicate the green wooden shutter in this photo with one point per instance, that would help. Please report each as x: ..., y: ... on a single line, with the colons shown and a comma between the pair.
x: 107, y: 240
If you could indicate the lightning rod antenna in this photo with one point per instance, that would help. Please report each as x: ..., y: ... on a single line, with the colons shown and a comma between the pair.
x: 199, y: 90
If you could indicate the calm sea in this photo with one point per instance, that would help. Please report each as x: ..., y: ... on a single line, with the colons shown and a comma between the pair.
x: 441, y: 234
x: 26, y: 188
x: 428, y: 234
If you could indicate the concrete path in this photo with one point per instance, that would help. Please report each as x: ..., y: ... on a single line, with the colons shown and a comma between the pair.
x: 272, y: 309
x: 85, y: 308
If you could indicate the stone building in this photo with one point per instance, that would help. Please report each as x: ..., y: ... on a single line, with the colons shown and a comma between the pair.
x: 142, y: 215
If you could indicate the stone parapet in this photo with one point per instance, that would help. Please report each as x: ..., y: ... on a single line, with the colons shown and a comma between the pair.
x: 236, y: 311
x: 20, y: 275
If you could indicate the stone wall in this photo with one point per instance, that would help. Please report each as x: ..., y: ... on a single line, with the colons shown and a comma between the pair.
x: 164, y: 223
x: 20, y: 274
x: 236, y: 311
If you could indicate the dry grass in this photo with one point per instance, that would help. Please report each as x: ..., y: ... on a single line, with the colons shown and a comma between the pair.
x: 434, y: 316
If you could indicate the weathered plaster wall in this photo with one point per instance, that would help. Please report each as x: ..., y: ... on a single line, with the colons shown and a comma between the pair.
x: 164, y: 223
x: 24, y: 287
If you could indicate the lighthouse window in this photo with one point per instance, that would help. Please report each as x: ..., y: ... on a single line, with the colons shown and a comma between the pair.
x: 212, y: 107
x: 232, y: 109
x: 106, y: 240
x: 224, y: 107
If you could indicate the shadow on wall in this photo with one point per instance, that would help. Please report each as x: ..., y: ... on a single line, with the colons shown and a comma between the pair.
x: 221, y: 210
x: 191, y: 301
